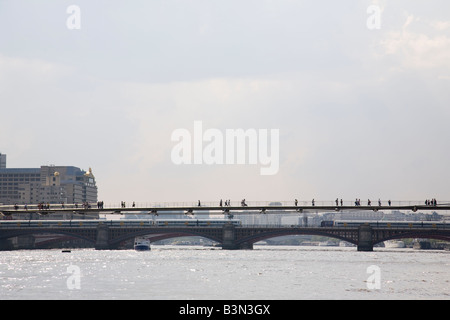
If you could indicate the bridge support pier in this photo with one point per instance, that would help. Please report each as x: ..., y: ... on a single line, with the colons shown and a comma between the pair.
x: 102, y: 242
x: 365, y: 242
x: 229, y: 239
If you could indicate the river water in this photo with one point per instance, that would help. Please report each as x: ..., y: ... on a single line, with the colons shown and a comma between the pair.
x: 198, y: 273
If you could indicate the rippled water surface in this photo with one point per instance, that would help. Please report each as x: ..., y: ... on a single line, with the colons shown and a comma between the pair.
x: 267, y: 272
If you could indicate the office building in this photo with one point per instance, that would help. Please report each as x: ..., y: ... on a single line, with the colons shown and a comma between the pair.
x: 47, y: 184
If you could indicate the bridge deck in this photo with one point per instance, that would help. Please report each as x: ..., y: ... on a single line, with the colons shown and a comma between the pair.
x: 8, y: 210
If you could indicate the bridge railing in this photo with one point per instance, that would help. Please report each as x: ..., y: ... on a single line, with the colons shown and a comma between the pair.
x: 238, y: 203
x: 232, y: 203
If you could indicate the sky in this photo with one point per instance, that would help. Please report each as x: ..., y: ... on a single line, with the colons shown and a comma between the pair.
x: 360, y: 96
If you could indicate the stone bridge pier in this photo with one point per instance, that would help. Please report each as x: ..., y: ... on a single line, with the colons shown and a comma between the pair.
x: 229, y: 239
x: 365, y: 238
x: 102, y: 241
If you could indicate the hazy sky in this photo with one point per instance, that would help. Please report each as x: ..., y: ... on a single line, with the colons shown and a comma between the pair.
x: 361, y: 112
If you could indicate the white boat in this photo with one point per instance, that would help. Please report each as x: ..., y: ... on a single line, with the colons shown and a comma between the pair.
x: 141, y: 244
x: 394, y: 244
x: 328, y: 244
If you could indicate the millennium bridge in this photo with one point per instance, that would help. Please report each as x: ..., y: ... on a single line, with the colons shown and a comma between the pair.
x: 103, y: 234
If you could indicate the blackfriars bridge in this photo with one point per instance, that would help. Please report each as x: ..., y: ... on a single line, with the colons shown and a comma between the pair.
x: 105, y: 237
x: 108, y: 236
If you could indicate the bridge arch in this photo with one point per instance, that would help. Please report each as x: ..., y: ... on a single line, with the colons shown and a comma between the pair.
x: 251, y: 239
x: 76, y: 234
x: 412, y: 235
x: 161, y: 234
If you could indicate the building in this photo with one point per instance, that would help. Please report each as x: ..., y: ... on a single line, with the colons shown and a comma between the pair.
x: 47, y: 184
x: 2, y: 161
